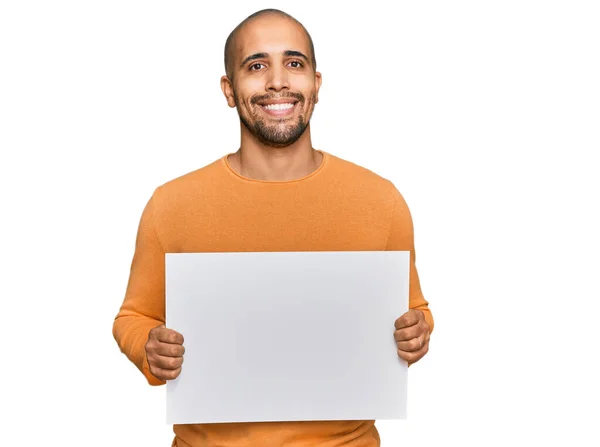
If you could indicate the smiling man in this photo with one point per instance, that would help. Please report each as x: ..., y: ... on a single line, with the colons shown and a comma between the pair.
x: 271, y: 79
x: 275, y: 193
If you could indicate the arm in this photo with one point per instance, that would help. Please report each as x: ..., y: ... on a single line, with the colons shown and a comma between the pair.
x: 144, y: 305
x: 401, y: 237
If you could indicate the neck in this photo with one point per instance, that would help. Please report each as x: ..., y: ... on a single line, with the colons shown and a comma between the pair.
x: 257, y: 161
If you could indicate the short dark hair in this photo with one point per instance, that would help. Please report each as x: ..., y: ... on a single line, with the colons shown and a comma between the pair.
x: 231, y: 38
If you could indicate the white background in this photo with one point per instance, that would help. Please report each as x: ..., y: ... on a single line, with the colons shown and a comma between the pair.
x: 486, y: 116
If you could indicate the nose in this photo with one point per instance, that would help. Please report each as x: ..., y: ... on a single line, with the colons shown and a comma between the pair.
x: 277, y: 79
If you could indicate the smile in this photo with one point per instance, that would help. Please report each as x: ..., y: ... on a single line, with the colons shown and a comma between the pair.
x: 283, y: 106
x: 281, y: 109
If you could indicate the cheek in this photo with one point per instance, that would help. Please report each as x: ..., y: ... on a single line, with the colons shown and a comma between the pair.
x: 308, y: 90
x: 251, y: 86
x: 243, y: 104
x: 246, y: 102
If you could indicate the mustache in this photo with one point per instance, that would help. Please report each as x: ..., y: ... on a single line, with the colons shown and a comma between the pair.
x: 259, y: 98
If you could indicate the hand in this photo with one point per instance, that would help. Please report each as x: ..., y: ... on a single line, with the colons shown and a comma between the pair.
x: 164, y: 350
x: 412, y: 336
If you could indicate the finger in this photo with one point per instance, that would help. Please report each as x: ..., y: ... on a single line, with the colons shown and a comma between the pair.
x: 168, y: 363
x: 412, y: 331
x: 412, y: 345
x: 409, y: 318
x: 413, y: 356
x: 169, y: 349
x: 408, y: 333
x: 167, y: 335
x: 165, y: 374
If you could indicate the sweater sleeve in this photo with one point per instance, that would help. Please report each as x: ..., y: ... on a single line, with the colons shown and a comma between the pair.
x: 143, y: 307
x: 401, y: 237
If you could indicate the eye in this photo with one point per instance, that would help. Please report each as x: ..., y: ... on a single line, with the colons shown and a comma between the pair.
x: 254, y: 65
x: 298, y: 64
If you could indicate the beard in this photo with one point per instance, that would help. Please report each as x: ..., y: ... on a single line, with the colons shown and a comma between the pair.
x: 275, y: 133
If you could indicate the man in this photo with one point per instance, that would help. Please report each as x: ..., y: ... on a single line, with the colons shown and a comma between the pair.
x: 276, y: 193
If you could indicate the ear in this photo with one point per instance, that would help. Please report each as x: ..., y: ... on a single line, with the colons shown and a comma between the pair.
x: 227, y: 87
x: 318, y: 81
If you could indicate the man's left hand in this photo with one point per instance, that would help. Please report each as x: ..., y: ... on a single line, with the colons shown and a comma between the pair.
x: 412, y: 336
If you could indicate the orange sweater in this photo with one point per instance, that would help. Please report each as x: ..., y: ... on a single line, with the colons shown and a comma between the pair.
x: 338, y: 207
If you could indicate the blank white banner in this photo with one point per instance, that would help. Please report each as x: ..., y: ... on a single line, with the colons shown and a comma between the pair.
x: 287, y: 336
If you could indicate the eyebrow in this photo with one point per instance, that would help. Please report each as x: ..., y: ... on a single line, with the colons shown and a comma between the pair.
x: 287, y: 53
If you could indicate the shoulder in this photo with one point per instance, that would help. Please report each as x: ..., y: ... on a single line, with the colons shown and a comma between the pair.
x: 365, y: 180
x: 191, y: 186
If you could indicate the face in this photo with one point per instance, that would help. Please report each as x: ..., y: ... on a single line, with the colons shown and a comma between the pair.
x: 275, y: 87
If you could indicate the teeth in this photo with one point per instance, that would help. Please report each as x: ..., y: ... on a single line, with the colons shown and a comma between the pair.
x: 279, y: 106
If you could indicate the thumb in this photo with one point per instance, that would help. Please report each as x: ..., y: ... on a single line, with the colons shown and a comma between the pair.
x: 153, y: 330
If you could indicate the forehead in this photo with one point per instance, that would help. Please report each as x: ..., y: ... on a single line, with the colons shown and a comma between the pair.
x: 270, y: 34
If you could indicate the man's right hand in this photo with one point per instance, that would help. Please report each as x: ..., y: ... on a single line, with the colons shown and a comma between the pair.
x: 164, y: 350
